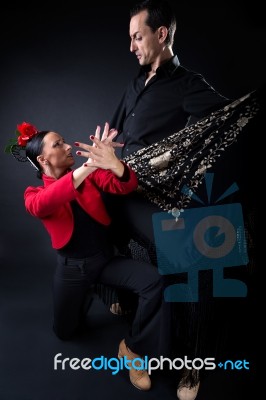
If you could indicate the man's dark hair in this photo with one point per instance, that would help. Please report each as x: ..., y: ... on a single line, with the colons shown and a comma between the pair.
x: 160, y: 13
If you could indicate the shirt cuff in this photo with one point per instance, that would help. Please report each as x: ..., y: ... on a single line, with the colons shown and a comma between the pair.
x: 126, y: 175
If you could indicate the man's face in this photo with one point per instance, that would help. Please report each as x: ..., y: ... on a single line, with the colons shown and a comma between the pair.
x: 144, y: 43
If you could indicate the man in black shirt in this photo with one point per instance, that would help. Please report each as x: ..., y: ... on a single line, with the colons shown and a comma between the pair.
x: 165, y: 96
x: 161, y: 100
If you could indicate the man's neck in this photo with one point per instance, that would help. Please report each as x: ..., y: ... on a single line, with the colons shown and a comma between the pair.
x: 163, y: 57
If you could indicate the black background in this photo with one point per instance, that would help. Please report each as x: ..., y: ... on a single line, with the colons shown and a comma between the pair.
x: 66, y: 70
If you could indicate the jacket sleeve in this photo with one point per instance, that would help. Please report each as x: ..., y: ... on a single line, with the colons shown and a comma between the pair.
x: 42, y: 201
x: 108, y: 182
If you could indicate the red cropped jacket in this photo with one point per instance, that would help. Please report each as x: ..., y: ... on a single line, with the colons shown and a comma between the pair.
x: 51, y: 202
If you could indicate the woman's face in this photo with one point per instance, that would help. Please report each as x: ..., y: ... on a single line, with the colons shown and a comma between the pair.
x: 56, y: 157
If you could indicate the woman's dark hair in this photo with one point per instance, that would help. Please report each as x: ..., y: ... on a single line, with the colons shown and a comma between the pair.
x: 159, y: 14
x: 34, y: 148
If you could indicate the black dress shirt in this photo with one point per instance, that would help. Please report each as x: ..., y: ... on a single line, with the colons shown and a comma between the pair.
x: 170, y: 100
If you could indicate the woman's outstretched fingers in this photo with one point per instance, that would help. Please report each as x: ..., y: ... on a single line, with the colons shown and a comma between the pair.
x: 108, y: 134
x: 99, y: 144
x: 83, y: 153
x: 112, y: 134
x: 105, y: 132
x: 97, y: 133
x: 96, y: 142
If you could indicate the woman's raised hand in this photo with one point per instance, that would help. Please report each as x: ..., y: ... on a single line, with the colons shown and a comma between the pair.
x: 107, y: 136
x: 101, y: 153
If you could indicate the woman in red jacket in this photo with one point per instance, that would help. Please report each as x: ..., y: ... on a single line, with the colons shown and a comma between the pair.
x: 70, y: 205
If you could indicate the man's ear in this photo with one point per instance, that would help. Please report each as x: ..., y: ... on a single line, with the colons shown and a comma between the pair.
x: 162, y: 33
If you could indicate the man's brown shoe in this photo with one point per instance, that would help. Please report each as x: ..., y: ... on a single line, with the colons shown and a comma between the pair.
x: 139, y: 378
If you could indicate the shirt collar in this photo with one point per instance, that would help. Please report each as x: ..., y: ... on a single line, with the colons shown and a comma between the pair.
x: 167, y: 68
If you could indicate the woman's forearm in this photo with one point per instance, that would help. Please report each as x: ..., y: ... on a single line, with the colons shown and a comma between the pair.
x: 81, y: 173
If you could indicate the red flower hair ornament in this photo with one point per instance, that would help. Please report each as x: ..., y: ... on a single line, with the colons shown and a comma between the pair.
x: 24, y: 132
